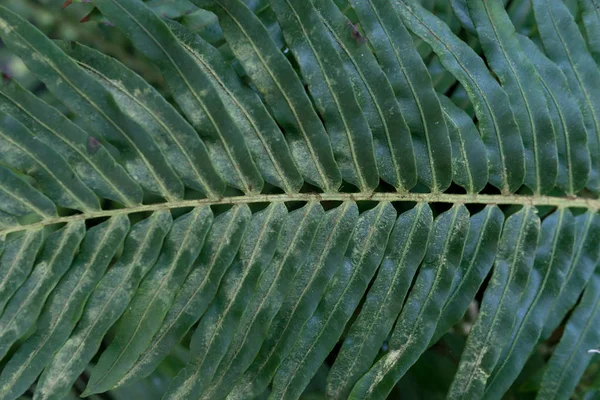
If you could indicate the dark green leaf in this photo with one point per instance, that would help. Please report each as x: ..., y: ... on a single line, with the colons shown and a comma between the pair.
x: 21, y: 150
x: 177, y: 140
x: 106, y: 304
x: 64, y: 307
x: 557, y: 28
x: 72, y: 85
x: 18, y: 257
x: 263, y: 136
x: 332, y: 91
x: 192, y: 89
x: 406, y: 248
x: 496, y: 121
x: 196, y: 293
x: 493, y: 326
x: 320, y: 333
x: 552, y: 260
x: 152, y: 300
x: 96, y: 168
x: 276, y: 80
x: 393, y: 144
x: 215, y: 330
x: 525, y: 93
x: 480, y: 250
x: 18, y: 198
x: 308, y: 285
x: 412, y: 85
x: 25, y: 306
x: 292, y: 250
x: 422, y: 310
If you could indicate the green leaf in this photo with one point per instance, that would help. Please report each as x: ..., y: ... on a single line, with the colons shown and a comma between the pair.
x: 170, y: 8
x: 590, y: 15
x: 106, y: 304
x: 72, y: 85
x: 331, y: 90
x: 478, y: 257
x: 275, y: 281
x: 414, y: 91
x: 405, y: 251
x: 469, y: 161
x: 585, y: 259
x: 152, y: 300
x: 20, y: 150
x: 215, y: 330
x: 524, y: 90
x: 461, y: 11
x: 7, y: 221
x: 320, y: 333
x: 177, y: 140
x: 496, y: 121
x: 307, y: 287
x: 393, y: 144
x: 276, y: 80
x: 192, y: 89
x: 493, y: 326
x: 557, y: 28
x: 91, y: 161
x: 263, y: 136
x: 421, y: 312
x: 571, y: 135
x: 197, y: 292
x: 571, y: 357
x: 17, y: 197
x: 18, y: 255
x: 328, y: 109
x: 25, y: 306
x: 552, y: 260
x: 64, y: 306
x: 521, y: 15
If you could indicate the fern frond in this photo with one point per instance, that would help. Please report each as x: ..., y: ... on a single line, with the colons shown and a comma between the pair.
x: 325, y: 194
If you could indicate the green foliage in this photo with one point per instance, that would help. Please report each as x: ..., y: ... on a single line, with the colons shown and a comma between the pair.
x: 283, y: 199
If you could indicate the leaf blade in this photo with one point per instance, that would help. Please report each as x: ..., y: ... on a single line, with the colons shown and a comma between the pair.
x: 557, y: 27
x: 419, y: 316
x: 270, y: 149
x: 282, y: 90
x: 490, y: 332
x: 307, y: 288
x: 552, y: 260
x: 394, y: 149
x: 181, y: 145
x: 292, y: 249
x: 24, y: 307
x: 320, y: 333
x: 525, y: 93
x: 213, y: 335
x: 96, y: 168
x: 412, y: 85
x: 384, y: 300
x: 65, y: 304
x: 497, y: 125
x: 22, y: 151
x: 152, y: 300
x: 331, y: 90
x: 106, y: 303
x: 197, y: 292
x: 72, y: 85
x: 192, y: 90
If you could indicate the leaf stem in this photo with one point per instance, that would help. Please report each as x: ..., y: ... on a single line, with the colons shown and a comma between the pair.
x: 574, y: 202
